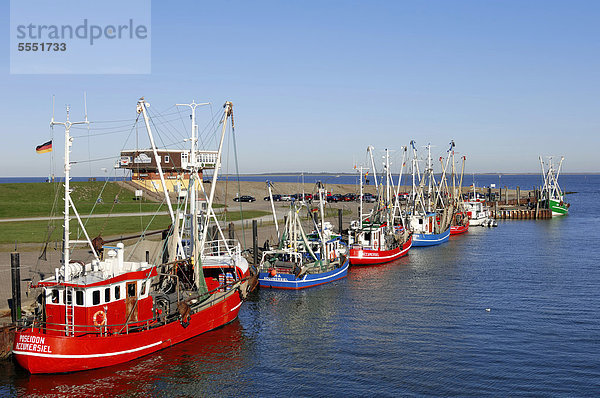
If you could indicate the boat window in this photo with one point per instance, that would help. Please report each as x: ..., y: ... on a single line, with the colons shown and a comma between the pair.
x: 96, y: 297
x: 131, y: 289
x: 420, y: 221
x: 79, y: 297
x: 117, y: 292
x: 143, y: 289
x: 69, y: 297
x: 107, y: 295
x: 55, y: 296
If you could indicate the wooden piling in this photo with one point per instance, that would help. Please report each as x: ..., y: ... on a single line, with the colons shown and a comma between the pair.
x: 255, y: 241
x: 15, y: 267
x: 231, y: 231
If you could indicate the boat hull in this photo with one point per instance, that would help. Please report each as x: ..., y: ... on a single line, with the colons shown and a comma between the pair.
x: 365, y: 256
x: 559, y: 208
x: 41, y: 353
x: 421, y: 240
x: 289, y: 281
x: 458, y: 229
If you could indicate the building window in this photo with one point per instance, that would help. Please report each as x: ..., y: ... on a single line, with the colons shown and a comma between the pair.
x: 167, y: 159
x: 79, y: 297
x: 184, y: 157
x: 107, y: 295
x: 117, y: 292
x: 96, y: 297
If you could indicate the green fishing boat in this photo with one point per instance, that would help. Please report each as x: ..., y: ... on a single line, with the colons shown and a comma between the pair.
x: 552, y: 195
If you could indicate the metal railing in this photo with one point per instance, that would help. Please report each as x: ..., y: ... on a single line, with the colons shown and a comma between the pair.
x: 222, y: 248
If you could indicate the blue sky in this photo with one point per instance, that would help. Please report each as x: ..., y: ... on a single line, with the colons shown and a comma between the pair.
x: 314, y: 82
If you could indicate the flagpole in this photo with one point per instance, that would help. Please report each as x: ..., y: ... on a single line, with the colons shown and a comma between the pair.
x: 52, y: 141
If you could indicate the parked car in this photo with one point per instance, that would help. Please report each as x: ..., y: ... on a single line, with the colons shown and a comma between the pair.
x: 276, y: 197
x: 244, y: 198
x: 286, y: 198
x: 336, y: 197
x: 349, y: 197
x: 369, y: 198
x: 403, y: 196
x: 298, y: 196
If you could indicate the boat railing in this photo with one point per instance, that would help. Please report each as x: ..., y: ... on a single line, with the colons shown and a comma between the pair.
x: 222, y: 247
x: 89, y: 329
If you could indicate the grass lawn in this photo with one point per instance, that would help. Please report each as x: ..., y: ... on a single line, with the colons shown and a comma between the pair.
x: 36, y: 231
x: 37, y: 199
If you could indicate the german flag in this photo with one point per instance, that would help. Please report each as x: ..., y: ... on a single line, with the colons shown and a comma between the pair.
x: 45, y: 147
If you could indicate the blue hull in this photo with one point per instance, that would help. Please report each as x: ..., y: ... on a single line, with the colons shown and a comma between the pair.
x: 289, y: 281
x: 420, y: 240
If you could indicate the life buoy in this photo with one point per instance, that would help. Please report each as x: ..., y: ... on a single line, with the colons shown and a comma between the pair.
x: 99, y: 318
x: 332, y: 255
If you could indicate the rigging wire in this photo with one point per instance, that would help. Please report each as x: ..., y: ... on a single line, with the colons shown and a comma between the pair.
x: 238, y: 181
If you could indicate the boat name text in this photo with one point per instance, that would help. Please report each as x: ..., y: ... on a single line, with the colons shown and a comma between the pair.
x: 32, y: 343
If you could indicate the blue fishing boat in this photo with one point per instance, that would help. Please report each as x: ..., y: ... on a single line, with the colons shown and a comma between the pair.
x: 282, y: 278
x: 300, y: 261
x: 430, y: 239
x: 429, y: 217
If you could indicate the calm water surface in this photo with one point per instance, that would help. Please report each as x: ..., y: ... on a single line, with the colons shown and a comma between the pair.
x: 415, y: 327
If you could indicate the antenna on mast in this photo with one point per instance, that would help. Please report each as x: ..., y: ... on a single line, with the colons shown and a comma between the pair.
x: 52, y: 120
x: 85, y: 107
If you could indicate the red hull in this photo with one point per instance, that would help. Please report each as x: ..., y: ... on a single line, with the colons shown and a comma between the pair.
x: 458, y: 229
x: 361, y: 256
x: 41, y: 353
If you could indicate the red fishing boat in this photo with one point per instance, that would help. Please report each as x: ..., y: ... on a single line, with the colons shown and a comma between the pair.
x: 110, y: 310
x: 380, y: 238
x: 375, y: 244
x: 460, y: 224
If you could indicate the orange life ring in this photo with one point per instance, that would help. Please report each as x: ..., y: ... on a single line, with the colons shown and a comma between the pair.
x: 102, y: 320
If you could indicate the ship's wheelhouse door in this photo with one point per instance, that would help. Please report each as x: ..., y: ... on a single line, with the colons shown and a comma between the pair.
x: 130, y: 301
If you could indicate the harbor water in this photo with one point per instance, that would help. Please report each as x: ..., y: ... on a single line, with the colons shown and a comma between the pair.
x: 508, y: 311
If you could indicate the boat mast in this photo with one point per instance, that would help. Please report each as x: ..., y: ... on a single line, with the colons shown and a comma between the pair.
x: 323, y: 249
x: 429, y: 182
x: 370, y: 152
x: 415, y: 172
x: 556, y: 186
x: 269, y: 185
x: 193, y: 167
x: 67, y: 198
x: 227, y: 113
x: 141, y: 108
x: 360, y: 205
x: 387, y: 176
x: 397, y: 191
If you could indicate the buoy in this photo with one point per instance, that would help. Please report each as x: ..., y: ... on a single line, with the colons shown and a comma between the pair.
x: 488, y: 309
x: 99, y: 318
x: 272, y: 272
